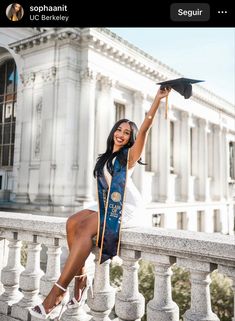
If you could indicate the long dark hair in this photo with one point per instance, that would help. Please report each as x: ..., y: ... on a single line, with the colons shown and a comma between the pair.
x: 19, y: 14
x: 108, y: 156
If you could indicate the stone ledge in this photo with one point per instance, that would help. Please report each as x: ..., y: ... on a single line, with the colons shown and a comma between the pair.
x: 213, y: 248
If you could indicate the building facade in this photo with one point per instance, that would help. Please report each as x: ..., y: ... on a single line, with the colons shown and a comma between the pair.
x: 61, y: 91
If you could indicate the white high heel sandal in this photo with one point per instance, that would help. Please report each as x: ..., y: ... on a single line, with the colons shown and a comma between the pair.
x: 77, y: 303
x: 43, y: 315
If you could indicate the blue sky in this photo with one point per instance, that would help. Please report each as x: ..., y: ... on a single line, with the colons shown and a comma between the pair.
x: 200, y: 53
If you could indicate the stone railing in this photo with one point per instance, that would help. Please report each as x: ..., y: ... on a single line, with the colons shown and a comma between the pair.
x: 24, y: 287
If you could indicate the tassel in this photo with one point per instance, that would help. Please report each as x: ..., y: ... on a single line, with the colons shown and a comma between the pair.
x: 166, y: 108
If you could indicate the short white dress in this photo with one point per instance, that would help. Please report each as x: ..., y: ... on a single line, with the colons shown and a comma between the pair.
x: 133, y: 214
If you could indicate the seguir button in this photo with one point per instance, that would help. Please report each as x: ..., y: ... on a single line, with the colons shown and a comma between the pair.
x: 190, y: 12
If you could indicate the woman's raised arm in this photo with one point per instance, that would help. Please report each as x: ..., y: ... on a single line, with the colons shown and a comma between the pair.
x: 137, y: 148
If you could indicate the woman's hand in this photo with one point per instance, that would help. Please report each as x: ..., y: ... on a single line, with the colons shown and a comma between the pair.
x: 161, y: 93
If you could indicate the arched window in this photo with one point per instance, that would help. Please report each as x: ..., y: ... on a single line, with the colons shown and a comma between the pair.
x: 8, y: 89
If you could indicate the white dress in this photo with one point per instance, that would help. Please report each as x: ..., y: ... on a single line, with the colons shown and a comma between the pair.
x: 133, y: 213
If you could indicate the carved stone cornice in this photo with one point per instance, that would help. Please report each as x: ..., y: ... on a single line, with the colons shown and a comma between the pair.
x: 28, y: 79
x: 110, y: 44
x: 43, y: 36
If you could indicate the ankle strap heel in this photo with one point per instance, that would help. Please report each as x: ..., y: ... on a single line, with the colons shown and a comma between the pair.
x: 59, y: 286
x: 89, y: 282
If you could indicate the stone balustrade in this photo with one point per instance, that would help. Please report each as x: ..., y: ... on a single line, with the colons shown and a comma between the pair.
x: 23, y: 287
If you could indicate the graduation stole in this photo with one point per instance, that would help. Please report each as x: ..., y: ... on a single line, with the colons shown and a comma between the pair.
x: 110, y: 205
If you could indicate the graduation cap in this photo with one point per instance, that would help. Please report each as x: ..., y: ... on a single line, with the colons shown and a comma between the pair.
x: 181, y: 85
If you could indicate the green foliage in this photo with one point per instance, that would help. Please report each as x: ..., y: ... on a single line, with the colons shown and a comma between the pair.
x: 221, y: 296
x: 116, y: 275
x: 181, y: 289
x: 23, y: 256
x: 221, y: 291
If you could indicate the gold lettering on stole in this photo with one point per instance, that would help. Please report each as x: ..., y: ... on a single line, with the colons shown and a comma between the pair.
x: 114, y: 210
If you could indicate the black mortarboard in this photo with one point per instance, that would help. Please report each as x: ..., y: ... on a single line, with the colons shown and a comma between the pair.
x: 181, y: 85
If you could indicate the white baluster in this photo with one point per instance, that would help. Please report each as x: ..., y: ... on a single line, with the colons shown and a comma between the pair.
x: 129, y: 303
x: 29, y: 281
x: 10, y: 276
x: 52, y: 269
x: 104, y: 294
x: 161, y: 307
x: 200, y: 309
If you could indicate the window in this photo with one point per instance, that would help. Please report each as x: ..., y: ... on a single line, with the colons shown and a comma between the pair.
x: 120, y: 111
x: 182, y: 223
x: 217, y: 221
x: 232, y: 160
x: 8, y: 88
x: 200, y: 221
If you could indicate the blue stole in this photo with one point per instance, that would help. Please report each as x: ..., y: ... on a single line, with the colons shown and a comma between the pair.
x: 110, y: 204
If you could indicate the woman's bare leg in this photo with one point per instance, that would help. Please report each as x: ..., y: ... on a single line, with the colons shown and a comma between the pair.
x: 71, y: 224
x: 81, y: 247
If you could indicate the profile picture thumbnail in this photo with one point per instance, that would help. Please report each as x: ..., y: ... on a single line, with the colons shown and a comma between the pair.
x: 14, y: 12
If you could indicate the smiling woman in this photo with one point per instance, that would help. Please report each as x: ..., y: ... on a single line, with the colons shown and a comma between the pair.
x: 121, y: 136
x: 119, y: 205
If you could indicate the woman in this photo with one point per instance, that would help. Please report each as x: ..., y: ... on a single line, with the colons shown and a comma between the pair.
x: 15, y: 12
x: 83, y: 226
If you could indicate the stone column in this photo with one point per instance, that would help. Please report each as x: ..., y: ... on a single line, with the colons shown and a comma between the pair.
x: 17, y: 143
x: 10, y: 276
x: 104, y: 114
x: 139, y: 115
x: 218, y: 167
x: 202, y: 161
x: 161, y: 307
x: 65, y: 133
x: 29, y: 282
x: 44, y: 144
x: 185, y: 165
x: 25, y: 117
x: 163, y: 155
x: 104, y: 294
x: 129, y: 303
x: 200, y: 309
x: 225, y: 163
x: 155, y: 157
x: 86, y: 136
